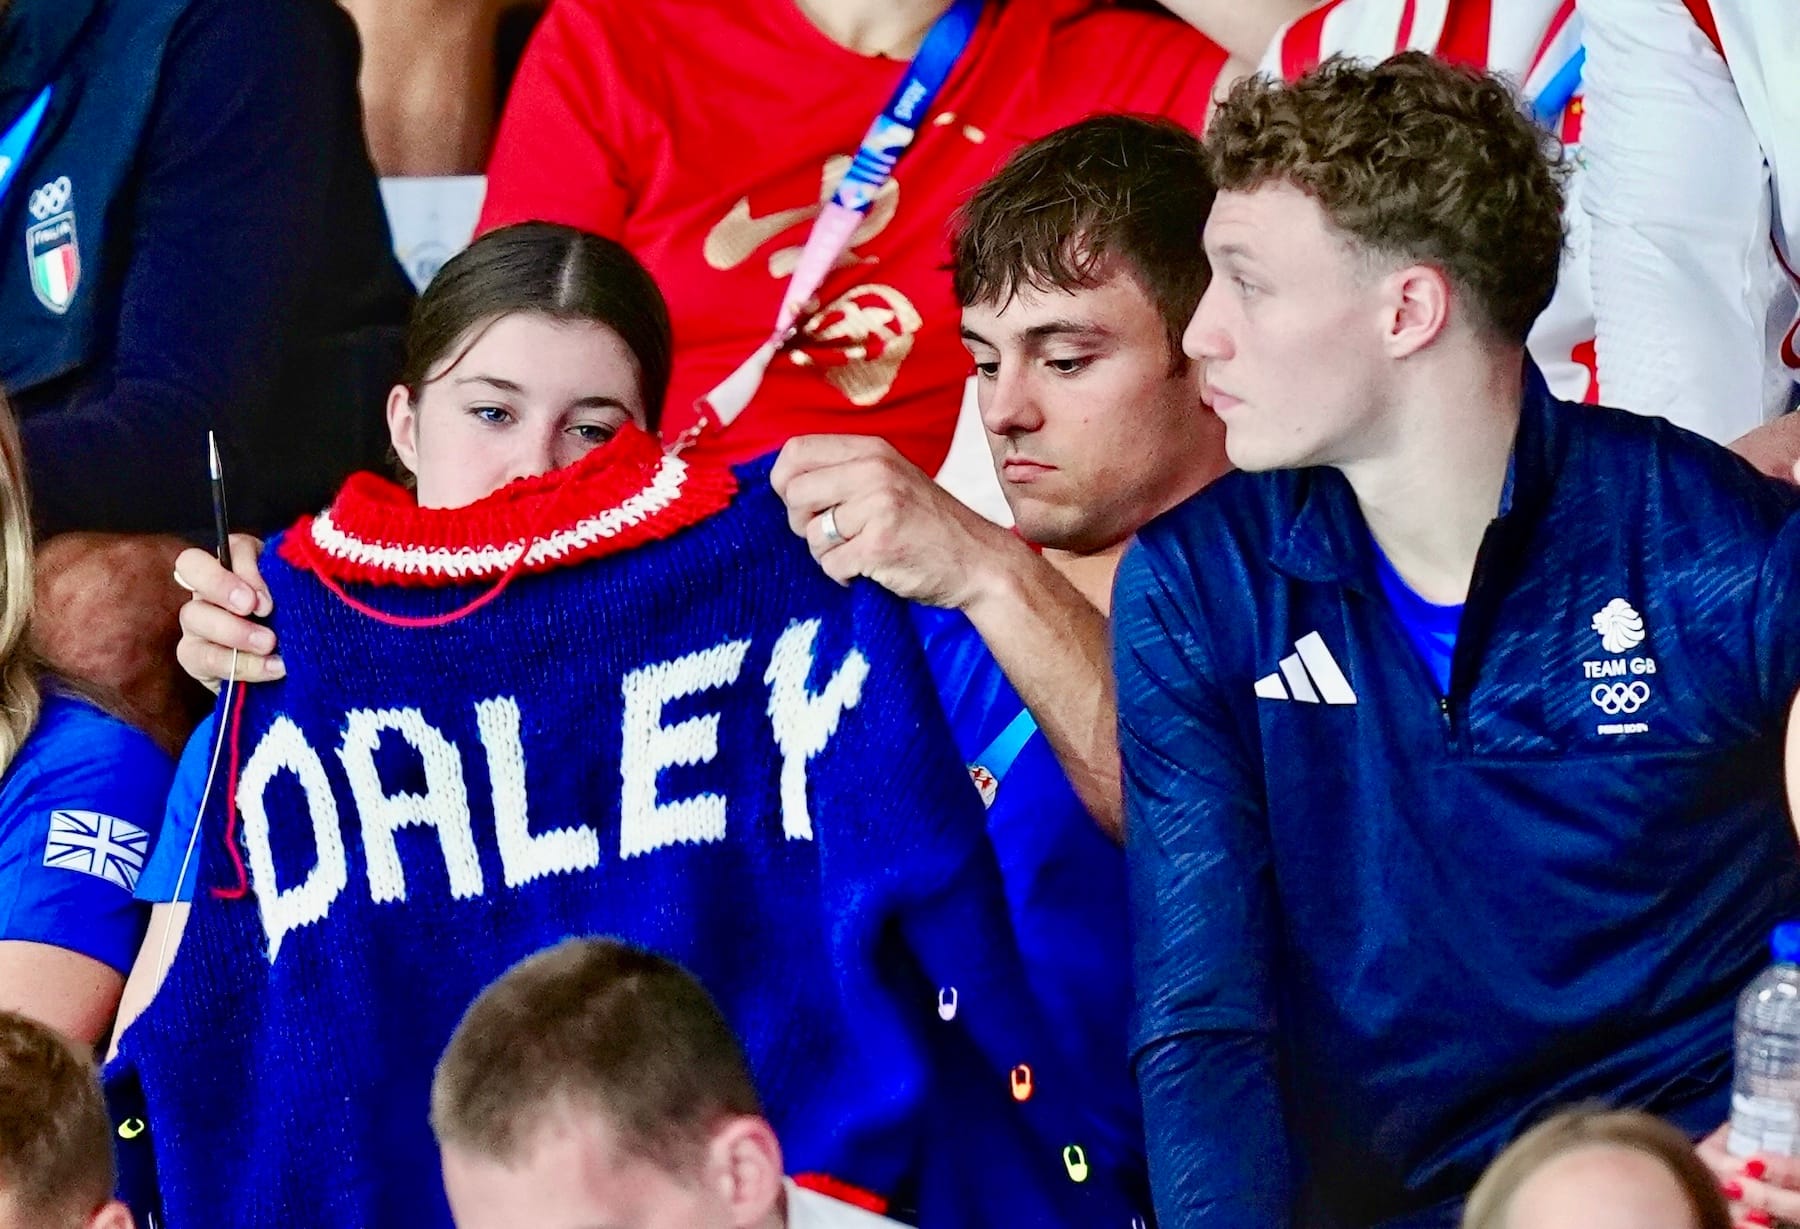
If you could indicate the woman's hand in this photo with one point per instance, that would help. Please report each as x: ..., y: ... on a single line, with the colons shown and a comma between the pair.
x: 1762, y: 1190
x: 219, y: 618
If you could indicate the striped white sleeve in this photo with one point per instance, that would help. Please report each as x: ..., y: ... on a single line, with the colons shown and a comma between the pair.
x: 1677, y: 193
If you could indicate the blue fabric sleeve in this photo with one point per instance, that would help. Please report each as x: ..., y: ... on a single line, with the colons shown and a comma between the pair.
x: 81, y: 807
x: 157, y: 884
x: 226, y: 221
x: 1777, y: 630
x: 1005, y: 1024
x: 953, y: 916
x: 1198, y: 857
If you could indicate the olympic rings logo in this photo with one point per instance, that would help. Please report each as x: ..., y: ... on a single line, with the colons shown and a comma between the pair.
x: 1615, y: 698
x: 52, y: 198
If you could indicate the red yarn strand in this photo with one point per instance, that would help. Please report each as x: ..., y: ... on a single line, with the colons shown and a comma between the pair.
x: 414, y: 622
x: 547, y: 516
x: 231, y: 812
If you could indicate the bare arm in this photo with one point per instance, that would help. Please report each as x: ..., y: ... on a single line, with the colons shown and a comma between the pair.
x: 428, y: 83
x: 1242, y: 27
x: 161, y: 941
x: 1052, y: 645
x: 72, y: 993
x: 1793, y: 762
x: 911, y: 537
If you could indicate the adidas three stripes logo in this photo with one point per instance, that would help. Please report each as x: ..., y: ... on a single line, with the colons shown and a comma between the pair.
x: 1309, y: 674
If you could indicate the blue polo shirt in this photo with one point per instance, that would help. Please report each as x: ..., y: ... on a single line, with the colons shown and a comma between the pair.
x: 1064, y: 880
x: 80, y: 806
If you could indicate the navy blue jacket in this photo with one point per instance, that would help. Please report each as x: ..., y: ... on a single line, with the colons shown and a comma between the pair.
x: 231, y: 264
x: 1378, y: 930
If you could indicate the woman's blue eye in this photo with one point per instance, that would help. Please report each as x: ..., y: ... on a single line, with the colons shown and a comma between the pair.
x: 594, y: 432
x: 490, y: 413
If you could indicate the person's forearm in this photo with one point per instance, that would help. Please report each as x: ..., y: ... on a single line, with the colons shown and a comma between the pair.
x: 1242, y: 27
x: 1204, y: 907
x: 1217, y: 1140
x: 168, y: 922
x: 74, y: 994
x: 1792, y: 763
x: 428, y: 83
x: 1051, y: 643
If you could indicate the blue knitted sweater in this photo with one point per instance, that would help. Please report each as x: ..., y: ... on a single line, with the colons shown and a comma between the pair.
x: 666, y: 725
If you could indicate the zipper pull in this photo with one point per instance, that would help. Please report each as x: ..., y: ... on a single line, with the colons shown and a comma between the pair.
x: 1444, y: 708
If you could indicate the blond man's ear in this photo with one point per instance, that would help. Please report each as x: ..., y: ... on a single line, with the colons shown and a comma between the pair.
x: 744, y: 1159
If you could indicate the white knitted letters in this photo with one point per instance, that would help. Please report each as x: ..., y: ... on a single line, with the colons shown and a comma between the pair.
x: 444, y: 805
x: 650, y: 746
x: 668, y: 723
x: 524, y: 855
x: 804, y: 722
x: 283, y: 748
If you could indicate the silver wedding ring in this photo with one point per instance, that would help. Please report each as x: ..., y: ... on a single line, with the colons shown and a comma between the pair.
x: 828, y: 527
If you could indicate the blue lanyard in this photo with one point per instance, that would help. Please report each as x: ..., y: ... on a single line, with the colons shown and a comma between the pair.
x: 18, y: 139
x: 887, y: 138
x: 1556, y: 95
x: 999, y: 756
x: 898, y: 123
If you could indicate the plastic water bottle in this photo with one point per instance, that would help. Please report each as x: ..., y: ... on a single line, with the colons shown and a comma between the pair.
x: 1765, y: 1089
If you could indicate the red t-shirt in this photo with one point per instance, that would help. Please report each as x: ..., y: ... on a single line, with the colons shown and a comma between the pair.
x: 704, y: 135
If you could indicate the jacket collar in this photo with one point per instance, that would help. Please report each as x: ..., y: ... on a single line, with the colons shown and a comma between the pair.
x: 1327, y: 539
x: 36, y: 39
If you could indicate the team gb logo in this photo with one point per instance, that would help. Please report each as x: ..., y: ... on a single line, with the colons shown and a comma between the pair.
x: 1619, y: 626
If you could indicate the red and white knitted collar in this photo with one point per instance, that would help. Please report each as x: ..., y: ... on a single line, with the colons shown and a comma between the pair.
x: 622, y: 494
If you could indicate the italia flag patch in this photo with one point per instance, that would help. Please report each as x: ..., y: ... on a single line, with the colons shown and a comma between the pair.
x: 55, y: 262
x: 50, y: 246
x: 103, y: 846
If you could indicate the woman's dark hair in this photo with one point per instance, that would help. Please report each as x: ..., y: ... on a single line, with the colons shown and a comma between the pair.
x: 550, y: 270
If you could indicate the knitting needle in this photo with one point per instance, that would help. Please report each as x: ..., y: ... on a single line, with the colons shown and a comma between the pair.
x: 222, y: 545
x: 221, y: 528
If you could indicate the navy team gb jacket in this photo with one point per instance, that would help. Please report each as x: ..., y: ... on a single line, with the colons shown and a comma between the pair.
x: 1380, y: 930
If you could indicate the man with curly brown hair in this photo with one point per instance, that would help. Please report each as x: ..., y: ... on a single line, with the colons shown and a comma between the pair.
x: 1452, y: 728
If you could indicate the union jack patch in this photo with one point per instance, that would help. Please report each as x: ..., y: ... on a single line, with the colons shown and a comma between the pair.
x: 103, y: 846
x: 984, y: 782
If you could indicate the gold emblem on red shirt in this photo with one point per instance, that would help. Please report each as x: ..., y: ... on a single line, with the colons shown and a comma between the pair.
x: 858, y: 341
